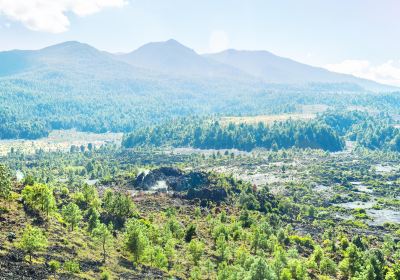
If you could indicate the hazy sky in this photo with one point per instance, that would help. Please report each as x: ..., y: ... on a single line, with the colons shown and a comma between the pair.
x: 361, y: 37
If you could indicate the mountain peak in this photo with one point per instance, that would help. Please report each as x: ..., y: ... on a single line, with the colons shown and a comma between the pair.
x: 172, y: 42
x: 173, y: 58
x: 70, y: 49
x: 169, y: 47
x: 68, y: 45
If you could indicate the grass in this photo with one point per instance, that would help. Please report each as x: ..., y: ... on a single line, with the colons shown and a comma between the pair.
x: 59, y: 140
x: 267, y: 119
x: 306, y: 112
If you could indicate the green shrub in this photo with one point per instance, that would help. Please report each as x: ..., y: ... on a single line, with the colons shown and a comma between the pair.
x: 105, y: 275
x: 64, y: 191
x: 305, y: 241
x: 54, y: 265
x: 328, y: 267
x: 72, y: 267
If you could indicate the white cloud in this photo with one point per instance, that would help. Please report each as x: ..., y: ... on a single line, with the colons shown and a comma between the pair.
x: 218, y: 41
x: 387, y: 73
x: 51, y: 15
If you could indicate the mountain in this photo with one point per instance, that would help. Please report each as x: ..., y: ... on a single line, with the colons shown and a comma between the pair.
x: 173, y: 58
x: 65, y: 59
x: 163, y: 61
x: 74, y: 85
x: 275, y: 69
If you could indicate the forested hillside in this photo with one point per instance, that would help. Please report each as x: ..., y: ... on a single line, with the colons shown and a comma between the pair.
x: 74, y: 85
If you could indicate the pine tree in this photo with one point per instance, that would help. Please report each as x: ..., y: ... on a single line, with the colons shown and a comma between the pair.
x: 5, y: 182
x: 102, y: 236
x: 72, y: 215
x: 32, y: 241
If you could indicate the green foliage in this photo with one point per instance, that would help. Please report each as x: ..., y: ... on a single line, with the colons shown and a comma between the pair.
x: 118, y: 207
x: 72, y: 266
x: 227, y: 240
x: 245, y: 218
x: 32, y: 241
x: 72, y: 215
x: 156, y: 257
x: 260, y: 270
x: 328, y: 266
x: 103, y: 237
x: 175, y: 228
x: 351, y: 262
x: 305, y: 241
x: 5, y: 182
x: 39, y: 197
x: 222, y: 247
x: 105, y: 275
x: 213, y: 135
x: 135, y: 239
x: 190, y: 232
x: 91, y: 196
x: 54, y: 265
x: 11, y: 127
x: 196, y: 250
x: 94, y: 219
x: 170, y: 251
x: 29, y: 180
x: 286, y: 274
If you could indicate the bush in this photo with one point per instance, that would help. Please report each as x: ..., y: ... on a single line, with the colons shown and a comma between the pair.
x: 328, y: 267
x: 196, y: 250
x: 305, y: 241
x: 3, y: 209
x: 39, y: 197
x: 72, y: 267
x: 190, y: 232
x: 105, y: 275
x: 32, y: 241
x: 54, y: 265
x: 64, y: 191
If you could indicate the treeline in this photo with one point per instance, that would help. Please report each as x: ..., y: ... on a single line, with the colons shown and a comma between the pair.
x: 375, y: 132
x: 327, y: 132
x: 377, y: 136
x: 214, y: 135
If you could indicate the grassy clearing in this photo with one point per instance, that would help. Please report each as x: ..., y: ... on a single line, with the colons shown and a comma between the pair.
x: 313, y: 109
x: 59, y: 140
x: 267, y: 119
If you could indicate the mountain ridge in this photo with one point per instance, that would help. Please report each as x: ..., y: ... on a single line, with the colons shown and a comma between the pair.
x: 160, y: 60
x: 173, y: 58
x: 277, y: 69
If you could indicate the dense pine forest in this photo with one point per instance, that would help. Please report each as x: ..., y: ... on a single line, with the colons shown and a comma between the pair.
x: 327, y: 132
x: 213, y: 135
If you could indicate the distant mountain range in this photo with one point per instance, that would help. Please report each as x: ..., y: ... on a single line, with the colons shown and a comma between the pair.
x: 163, y: 61
x: 74, y: 85
x: 275, y: 69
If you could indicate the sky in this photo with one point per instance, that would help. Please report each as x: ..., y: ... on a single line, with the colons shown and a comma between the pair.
x: 359, y: 37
